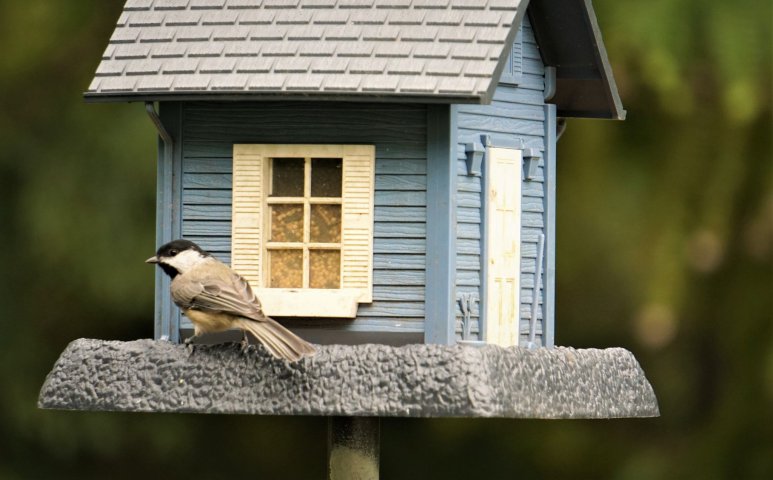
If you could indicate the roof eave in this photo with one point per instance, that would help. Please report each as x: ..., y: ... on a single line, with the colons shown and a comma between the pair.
x: 581, y: 61
x: 375, y: 97
x: 595, y: 114
x: 617, y: 112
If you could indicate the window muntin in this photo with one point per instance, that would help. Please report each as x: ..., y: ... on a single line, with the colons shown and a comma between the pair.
x: 304, y: 245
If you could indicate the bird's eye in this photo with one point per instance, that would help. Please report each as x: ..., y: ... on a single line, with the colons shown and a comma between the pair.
x: 173, y: 252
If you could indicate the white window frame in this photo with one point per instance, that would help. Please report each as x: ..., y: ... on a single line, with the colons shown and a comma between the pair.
x: 250, y: 217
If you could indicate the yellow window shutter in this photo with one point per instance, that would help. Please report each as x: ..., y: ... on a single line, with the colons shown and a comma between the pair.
x: 247, y: 214
x: 357, y: 226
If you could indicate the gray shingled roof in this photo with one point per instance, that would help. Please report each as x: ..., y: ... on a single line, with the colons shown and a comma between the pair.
x: 361, y: 48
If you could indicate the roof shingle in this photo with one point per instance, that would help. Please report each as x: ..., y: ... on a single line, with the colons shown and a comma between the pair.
x: 350, y: 47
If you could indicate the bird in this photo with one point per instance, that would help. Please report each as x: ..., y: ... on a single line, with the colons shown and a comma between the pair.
x: 216, y: 298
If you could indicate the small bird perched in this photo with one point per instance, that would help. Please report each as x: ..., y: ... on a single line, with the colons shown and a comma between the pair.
x: 216, y: 298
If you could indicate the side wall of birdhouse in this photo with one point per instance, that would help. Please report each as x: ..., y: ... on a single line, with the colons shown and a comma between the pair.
x: 519, y: 118
x: 205, y: 133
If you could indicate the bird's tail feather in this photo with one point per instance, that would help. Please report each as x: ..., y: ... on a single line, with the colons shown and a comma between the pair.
x: 280, y: 342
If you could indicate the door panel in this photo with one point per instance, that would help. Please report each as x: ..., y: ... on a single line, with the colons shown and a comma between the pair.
x: 503, y: 215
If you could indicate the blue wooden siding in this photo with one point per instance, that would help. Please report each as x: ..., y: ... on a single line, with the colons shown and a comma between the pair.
x: 399, y: 133
x: 516, y: 116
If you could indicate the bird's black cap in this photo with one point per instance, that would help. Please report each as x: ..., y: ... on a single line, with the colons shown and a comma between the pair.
x: 171, y: 249
x: 176, y: 246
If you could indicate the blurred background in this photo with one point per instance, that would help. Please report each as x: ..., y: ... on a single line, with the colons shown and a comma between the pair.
x: 665, y: 247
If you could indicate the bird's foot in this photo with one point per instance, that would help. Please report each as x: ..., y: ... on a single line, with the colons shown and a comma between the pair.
x: 245, y: 343
x: 190, y: 345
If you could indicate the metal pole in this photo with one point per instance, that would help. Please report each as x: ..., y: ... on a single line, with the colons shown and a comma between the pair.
x: 353, y: 448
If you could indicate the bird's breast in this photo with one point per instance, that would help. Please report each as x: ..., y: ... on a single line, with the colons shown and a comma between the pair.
x: 209, y: 322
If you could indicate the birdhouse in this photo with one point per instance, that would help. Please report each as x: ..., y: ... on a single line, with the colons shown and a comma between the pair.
x: 383, y: 173
x: 380, y: 171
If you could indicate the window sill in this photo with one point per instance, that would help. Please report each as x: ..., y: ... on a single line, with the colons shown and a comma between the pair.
x: 325, y: 303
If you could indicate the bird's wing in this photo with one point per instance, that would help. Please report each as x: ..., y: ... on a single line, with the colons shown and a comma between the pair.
x: 184, y: 293
x: 222, y: 290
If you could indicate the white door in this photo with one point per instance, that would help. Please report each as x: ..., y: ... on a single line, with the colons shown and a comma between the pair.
x: 503, y: 242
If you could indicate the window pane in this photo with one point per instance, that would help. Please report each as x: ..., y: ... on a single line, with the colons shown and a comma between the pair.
x: 324, y: 268
x: 325, y: 223
x: 287, y: 177
x: 286, y: 223
x: 286, y: 268
x: 326, y: 177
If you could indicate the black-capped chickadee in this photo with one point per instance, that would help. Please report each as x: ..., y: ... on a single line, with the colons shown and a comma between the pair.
x: 216, y: 298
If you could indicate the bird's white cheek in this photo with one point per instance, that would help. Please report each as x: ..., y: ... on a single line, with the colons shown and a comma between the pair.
x: 184, y: 261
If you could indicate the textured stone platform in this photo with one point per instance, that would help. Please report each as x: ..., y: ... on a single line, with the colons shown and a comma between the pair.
x: 362, y: 380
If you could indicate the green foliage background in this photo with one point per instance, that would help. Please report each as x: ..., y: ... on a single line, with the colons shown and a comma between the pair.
x: 665, y: 247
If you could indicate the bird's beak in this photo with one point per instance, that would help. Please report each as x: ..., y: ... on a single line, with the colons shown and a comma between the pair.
x: 152, y: 259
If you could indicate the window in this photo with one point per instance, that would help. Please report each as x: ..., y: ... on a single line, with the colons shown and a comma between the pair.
x: 303, y: 226
x: 304, y: 240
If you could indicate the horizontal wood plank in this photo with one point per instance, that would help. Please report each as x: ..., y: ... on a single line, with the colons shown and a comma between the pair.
x: 401, y: 166
x: 530, y: 235
x: 532, y: 204
x: 468, y: 184
x: 207, y: 165
x: 398, y: 261
x: 401, y: 199
x: 364, y: 324
x: 468, y: 230
x: 399, y: 277
x: 207, y: 212
x: 468, y: 215
x: 512, y: 126
x: 383, y: 182
x: 402, y: 245
x: 398, y: 293
x: 468, y: 262
x: 521, y: 111
x: 417, y: 183
x: 470, y: 278
x: 207, y: 180
x: 400, y: 230
x: 401, y: 214
x: 468, y: 246
x: 217, y: 144
x: 212, y: 244
x: 527, y: 296
x: 206, y: 228
x: 469, y: 290
x: 533, y: 189
x: 532, y: 219
x: 391, y: 309
x: 533, y: 66
x: 220, y: 160
x: 505, y: 95
x: 197, y: 196
x: 468, y: 199
x: 532, y: 82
